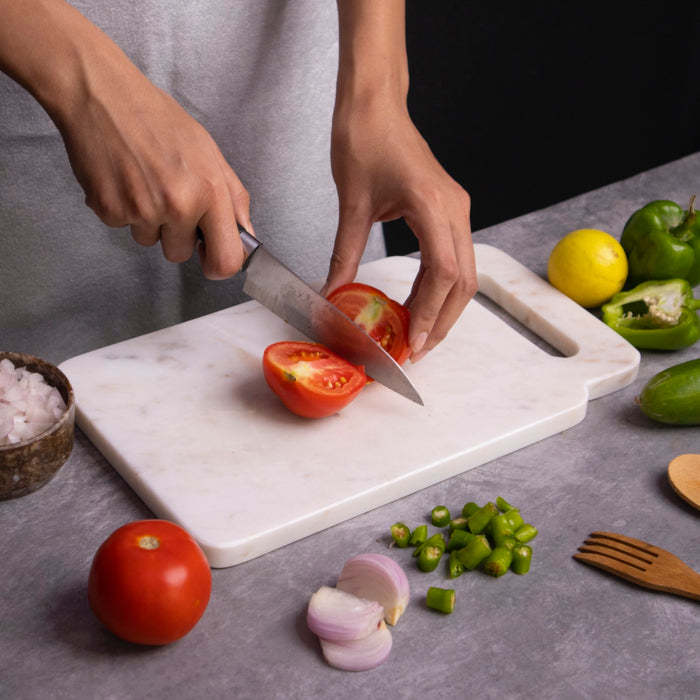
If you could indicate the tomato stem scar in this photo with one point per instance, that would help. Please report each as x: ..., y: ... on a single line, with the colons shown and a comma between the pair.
x: 149, y: 542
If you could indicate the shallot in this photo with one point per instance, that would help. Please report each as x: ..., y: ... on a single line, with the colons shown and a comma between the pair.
x: 377, y: 577
x: 338, y: 616
x: 359, y: 654
x: 28, y: 405
x: 349, y: 620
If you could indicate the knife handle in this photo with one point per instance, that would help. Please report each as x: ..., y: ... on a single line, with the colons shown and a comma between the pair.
x: 250, y: 243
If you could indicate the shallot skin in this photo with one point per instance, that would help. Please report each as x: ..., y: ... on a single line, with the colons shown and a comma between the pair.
x: 377, y: 577
x: 337, y: 616
x: 361, y: 654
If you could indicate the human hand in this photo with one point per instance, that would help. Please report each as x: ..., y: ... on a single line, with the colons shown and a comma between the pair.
x: 384, y: 170
x: 141, y: 160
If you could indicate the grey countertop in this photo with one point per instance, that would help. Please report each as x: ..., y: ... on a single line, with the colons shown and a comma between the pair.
x: 563, y: 631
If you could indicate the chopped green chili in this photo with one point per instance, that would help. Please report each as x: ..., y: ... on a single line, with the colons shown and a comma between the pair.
x: 400, y: 534
x: 476, y: 550
x: 498, y: 562
x: 429, y: 557
x: 418, y: 536
x: 525, y: 533
x: 441, y: 599
x: 522, y: 557
x: 478, y: 520
x: 440, y: 516
x: 455, y: 566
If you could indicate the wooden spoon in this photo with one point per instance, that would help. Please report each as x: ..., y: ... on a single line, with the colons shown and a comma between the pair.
x: 684, y: 475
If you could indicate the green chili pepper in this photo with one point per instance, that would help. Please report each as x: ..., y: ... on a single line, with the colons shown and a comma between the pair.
x: 459, y: 539
x: 440, y: 516
x: 526, y: 533
x: 499, y: 561
x: 478, y: 520
x: 522, y: 556
x: 476, y: 550
x: 503, y: 505
x: 442, y: 599
x: 400, y: 534
x: 429, y: 557
x: 656, y: 315
x: 418, y: 536
x: 436, y: 540
x: 458, y: 524
x: 662, y: 241
x: 455, y: 566
x: 500, y: 528
x: 469, y: 508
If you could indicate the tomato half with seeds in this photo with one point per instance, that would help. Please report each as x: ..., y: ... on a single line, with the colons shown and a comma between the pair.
x: 309, y: 379
x: 149, y: 582
x: 382, y: 318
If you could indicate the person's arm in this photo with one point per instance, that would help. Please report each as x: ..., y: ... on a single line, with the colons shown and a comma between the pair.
x: 384, y: 170
x: 141, y: 160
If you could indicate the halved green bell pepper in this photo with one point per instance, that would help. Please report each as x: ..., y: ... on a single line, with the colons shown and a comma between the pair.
x: 656, y: 315
x: 662, y: 241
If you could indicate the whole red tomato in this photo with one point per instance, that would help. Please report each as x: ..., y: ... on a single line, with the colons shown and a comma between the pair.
x: 382, y: 318
x: 149, y: 582
x: 309, y: 379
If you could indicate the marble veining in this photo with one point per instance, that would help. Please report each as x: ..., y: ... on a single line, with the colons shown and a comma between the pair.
x: 185, y: 416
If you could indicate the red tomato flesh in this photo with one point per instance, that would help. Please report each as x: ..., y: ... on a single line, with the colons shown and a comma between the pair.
x: 149, y: 583
x: 309, y: 379
x: 382, y: 318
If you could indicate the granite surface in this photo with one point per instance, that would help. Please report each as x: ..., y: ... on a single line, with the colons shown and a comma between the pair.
x: 563, y: 631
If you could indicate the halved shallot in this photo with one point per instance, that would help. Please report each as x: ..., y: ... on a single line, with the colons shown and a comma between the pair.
x: 377, y: 577
x: 359, y: 654
x: 337, y: 616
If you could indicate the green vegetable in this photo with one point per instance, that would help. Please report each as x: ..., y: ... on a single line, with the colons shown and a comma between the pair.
x: 500, y: 528
x: 478, y: 520
x: 499, y: 561
x: 503, y: 505
x: 436, y: 540
x: 455, y: 566
x: 656, y: 315
x: 400, y: 534
x: 673, y: 395
x: 442, y: 599
x: 526, y: 533
x: 459, y: 539
x: 418, y: 536
x: 476, y: 550
x: 440, y: 516
x: 662, y: 241
x: 469, y: 508
x: 522, y: 556
x: 429, y: 557
x: 457, y: 524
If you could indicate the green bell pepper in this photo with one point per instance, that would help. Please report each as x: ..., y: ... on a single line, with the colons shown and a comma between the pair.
x: 662, y: 241
x: 656, y: 315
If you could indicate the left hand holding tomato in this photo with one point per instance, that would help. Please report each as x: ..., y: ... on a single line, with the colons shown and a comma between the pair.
x: 149, y: 582
x: 384, y: 170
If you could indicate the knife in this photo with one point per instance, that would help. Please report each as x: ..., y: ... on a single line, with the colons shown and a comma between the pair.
x: 277, y: 288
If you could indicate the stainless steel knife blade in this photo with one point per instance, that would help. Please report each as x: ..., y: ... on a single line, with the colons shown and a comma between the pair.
x: 276, y: 287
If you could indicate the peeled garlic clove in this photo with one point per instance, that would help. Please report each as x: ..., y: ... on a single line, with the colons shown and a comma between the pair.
x: 377, y: 577
x: 359, y: 654
x: 336, y: 615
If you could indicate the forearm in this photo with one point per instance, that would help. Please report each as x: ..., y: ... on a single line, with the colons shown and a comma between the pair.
x: 54, y: 52
x: 372, y: 60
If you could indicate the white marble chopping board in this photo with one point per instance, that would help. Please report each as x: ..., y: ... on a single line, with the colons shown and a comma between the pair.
x: 185, y: 416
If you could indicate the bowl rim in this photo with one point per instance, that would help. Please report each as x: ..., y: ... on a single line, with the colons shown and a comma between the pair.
x: 25, y: 360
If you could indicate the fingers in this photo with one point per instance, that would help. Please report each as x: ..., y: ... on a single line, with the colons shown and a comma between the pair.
x: 446, y: 280
x: 350, y: 242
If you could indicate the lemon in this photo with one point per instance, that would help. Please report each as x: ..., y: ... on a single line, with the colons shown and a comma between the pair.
x: 589, y: 266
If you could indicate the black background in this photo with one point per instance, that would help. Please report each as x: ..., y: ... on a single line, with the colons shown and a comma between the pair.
x: 528, y: 104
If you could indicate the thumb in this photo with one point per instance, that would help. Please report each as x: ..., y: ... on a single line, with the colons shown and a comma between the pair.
x: 350, y: 244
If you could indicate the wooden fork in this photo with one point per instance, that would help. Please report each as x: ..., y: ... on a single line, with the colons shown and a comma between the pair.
x: 641, y: 563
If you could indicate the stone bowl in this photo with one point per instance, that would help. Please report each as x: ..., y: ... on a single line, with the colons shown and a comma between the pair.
x: 28, y: 465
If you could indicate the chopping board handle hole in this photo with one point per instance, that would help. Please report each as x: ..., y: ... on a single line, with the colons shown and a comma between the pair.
x: 519, y: 327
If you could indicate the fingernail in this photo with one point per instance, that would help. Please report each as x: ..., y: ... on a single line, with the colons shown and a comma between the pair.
x: 418, y: 342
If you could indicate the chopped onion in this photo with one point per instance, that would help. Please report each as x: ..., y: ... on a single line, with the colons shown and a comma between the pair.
x: 377, y: 577
x: 335, y: 615
x: 28, y: 405
x: 359, y: 654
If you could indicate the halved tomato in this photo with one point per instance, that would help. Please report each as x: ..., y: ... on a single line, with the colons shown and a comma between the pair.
x: 309, y: 379
x: 382, y: 318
